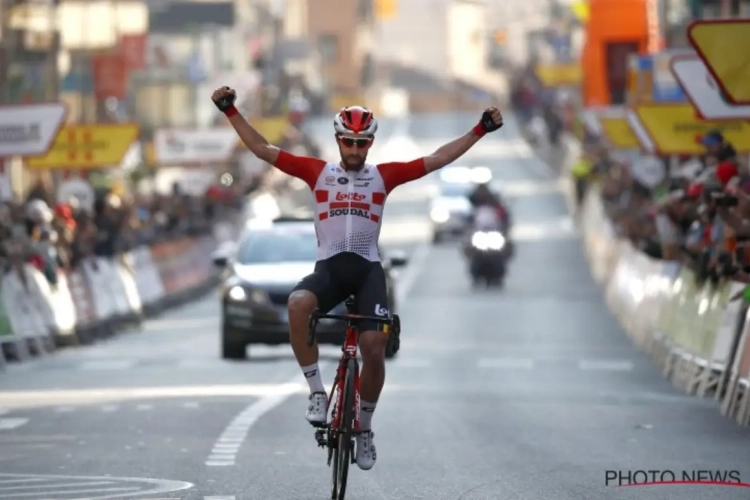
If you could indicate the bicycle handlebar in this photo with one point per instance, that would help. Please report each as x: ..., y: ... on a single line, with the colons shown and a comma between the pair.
x: 352, y: 318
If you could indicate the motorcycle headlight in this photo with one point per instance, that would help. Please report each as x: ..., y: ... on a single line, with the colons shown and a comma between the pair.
x: 493, y: 240
x: 440, y: 215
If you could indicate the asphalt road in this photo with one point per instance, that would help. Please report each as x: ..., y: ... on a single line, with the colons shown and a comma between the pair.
x: 532, y: 392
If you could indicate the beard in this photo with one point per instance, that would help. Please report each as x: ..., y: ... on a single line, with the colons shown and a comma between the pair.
x: 353, y: 162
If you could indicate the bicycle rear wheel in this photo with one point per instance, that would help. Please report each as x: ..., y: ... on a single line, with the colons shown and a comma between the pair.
x: 344, y: 434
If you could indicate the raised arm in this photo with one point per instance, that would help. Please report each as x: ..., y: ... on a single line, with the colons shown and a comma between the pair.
x: 302, y: 167
x: 491, y: 120
x: 254, y: 141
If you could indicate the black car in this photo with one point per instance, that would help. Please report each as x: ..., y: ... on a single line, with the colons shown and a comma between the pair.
x: 266, y: 264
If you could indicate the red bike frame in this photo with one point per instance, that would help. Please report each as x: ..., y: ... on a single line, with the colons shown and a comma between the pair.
x: 351, y: 341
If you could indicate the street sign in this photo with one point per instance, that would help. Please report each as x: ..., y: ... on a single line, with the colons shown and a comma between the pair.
x: 724, y: 47
x: 617, y: 130
x: 88, y: 146
x: 29, y: 129
x: 703, y: 91
x: 674, y: 129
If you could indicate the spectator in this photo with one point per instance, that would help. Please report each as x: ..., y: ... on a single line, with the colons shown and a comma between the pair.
x: 717, y: 148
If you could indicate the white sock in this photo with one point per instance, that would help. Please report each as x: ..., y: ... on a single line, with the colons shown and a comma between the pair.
x: 366, y: 410
x: 313, y: 377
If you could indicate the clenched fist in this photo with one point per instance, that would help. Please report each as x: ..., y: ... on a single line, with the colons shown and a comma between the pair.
x: 492, y: 119
x: 224, y: 98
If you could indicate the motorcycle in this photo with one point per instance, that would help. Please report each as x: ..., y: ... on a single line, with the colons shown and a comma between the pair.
x: 488, y: 260
x: 488, y: 251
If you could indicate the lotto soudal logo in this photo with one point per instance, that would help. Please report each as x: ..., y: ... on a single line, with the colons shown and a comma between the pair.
x: 350, y: 197
x: 347, y: 210
x: 380, y: 310
x: 696, y: 477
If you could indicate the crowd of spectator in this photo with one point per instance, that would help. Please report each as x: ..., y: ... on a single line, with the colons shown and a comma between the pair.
x: 695, y: 210
x: 53, y: 236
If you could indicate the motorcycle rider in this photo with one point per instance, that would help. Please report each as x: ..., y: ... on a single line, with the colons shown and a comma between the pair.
x: 483, y: 196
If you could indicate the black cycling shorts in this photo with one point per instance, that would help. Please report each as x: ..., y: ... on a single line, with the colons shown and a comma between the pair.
x: 336, y: 278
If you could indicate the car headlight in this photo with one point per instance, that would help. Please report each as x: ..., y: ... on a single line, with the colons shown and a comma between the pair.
x: 237, y: 293
x: 492, y: 240
x: 439, y: 215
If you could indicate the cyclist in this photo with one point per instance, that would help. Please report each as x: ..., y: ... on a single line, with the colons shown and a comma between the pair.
x: 349, y: 196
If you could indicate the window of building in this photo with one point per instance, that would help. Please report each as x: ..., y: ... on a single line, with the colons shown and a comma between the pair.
x: 328, y: 45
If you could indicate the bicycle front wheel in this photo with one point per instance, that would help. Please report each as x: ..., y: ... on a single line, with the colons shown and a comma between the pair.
x: 344, y: 435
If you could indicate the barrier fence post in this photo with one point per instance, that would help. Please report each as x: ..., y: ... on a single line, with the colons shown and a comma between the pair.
x: 738, y: 331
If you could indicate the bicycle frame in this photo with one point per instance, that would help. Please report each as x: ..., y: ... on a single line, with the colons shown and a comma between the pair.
x: 351, y: 342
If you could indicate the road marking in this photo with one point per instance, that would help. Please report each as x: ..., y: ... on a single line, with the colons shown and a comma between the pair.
x: 51, y: 486
x: 606, y: 365
x: 12, y: 423
x: 225, y: 449
x: 64, y: 409
x: 191, y: 404
x: 408, y: 279
x: 109, y: 408
x: 508, y: 363
x: 111, y: 364
x: 87, y: 490
x: 143, y: 407
x: 220, y: 498
x: 20, y: 399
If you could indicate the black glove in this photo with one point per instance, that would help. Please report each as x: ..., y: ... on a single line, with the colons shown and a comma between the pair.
x: 487, y: 123
x: 226, y: 102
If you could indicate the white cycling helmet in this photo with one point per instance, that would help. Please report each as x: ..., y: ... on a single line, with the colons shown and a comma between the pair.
x: 355, y: 120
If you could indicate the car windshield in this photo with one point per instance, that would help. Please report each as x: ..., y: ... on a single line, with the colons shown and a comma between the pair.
x: 452, y: 189
x: 269, y: 247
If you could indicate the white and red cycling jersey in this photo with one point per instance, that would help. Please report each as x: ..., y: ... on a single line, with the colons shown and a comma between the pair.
x: 349, y: 205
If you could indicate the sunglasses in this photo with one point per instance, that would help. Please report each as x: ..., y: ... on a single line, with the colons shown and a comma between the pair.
x: 350, y: 142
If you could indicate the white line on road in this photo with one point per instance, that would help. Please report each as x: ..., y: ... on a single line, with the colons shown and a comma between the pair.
x: 64, y: 409
x: 225, y: 449
x: 109, y: 408
x: 12, y: 423
x: 228, y: 497
x: 143, y: 407
x: 408, y: 279
x: 508, y: 363
x: 605, y: 365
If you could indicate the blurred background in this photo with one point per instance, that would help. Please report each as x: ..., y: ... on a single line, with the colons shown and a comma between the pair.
x: 135, y: 77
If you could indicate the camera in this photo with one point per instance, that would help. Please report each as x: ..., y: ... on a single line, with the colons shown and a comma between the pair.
x: 725, y: 200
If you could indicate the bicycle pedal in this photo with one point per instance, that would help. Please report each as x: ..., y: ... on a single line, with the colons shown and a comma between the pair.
x: 321, y: 438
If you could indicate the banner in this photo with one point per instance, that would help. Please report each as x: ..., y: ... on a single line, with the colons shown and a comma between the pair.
x: 722, y: 44
x: 110, y: 74
x: 194, y: 146
x: 133, y: 51
x: 703, y: 92
x: 559, y: 74
x: 29, y: 129
x: 675, y: 130
x: 79, y: 147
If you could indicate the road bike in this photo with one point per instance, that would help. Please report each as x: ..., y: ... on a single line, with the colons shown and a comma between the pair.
x: 337, y: 434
